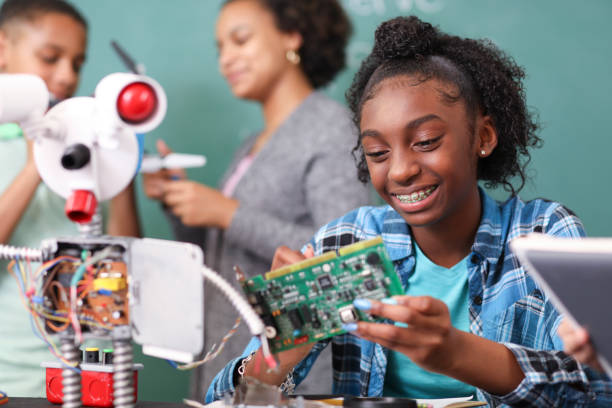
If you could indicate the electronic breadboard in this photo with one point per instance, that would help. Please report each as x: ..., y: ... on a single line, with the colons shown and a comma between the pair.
x: 309, y: 301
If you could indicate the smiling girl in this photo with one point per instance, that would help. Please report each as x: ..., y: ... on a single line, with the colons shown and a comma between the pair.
x: 437, y: 113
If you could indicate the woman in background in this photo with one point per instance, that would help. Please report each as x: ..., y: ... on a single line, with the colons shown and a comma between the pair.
x: 288, y: 178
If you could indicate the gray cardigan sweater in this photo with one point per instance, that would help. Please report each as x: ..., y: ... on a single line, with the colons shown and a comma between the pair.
x: 302, y: 178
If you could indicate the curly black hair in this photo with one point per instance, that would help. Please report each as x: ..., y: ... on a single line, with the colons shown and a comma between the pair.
x: 14, y: 10
x: 486, y: 79
x: 325, y: 30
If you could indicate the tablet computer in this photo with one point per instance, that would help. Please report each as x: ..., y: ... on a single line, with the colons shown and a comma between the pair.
x: 576, y: 275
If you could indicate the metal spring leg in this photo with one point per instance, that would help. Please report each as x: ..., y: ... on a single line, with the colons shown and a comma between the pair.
x: 9, y: 252
x: 71, y: 379
x: 123, y: 387
x: 93, y: 228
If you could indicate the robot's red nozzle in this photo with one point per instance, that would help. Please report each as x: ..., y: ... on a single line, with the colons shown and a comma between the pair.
x: 81, y: 206
x: 137, y: 102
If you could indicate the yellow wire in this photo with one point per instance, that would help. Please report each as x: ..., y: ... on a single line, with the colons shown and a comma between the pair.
x: 50, y: 343
x: 37, y: 313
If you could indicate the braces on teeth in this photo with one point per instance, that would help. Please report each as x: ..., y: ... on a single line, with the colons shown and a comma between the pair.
x: 416, y: 196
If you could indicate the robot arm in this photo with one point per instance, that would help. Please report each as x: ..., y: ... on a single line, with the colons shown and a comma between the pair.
x: 24, y: 99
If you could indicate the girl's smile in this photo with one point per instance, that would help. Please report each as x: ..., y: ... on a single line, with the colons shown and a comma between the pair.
x: 415, y: 200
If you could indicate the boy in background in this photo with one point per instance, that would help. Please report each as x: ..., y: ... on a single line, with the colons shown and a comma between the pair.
x: 47, y: 38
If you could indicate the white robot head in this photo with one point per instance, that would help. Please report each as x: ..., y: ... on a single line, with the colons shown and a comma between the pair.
x: 87, y: 150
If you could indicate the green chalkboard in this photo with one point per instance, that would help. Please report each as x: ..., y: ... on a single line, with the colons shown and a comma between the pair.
x: 563, y: 44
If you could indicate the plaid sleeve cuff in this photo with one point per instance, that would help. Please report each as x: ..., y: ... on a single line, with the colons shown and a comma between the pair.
x: 302, y: 368
x: 223, y: 382
x: 549, y: 376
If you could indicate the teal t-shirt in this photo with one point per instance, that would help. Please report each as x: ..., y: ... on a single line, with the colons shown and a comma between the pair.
x: 403, y: 378
x: 10, y: 131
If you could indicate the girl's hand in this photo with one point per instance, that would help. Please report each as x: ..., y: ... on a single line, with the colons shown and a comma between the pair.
x: 287, y: 360
x: 433, y: 343
x: 285, y: 256
x: 427, y: 336
x: 153, y: 183
x: 577, y: 344
x: 198, y: 205
x: 290, y: 358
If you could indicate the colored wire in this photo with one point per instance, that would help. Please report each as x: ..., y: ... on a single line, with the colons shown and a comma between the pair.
x: 268, y: 357
x: 213, y: 352
x: 15, y: 269
x: 76, y: 325
x: 78, y: 274
x: 3, y: 398
x: 50, y: 344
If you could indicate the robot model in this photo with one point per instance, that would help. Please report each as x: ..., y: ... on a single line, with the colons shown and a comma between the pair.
x: 86, y: 150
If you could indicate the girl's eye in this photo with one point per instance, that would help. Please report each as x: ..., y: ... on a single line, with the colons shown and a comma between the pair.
x: 242, y: 38
x: 375, y: 155
x: 49, y: 59
x: 76, y: 67
x: 428, y: 144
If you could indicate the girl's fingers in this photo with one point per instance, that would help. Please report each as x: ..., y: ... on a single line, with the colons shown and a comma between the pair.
x: 173, y: 199
x: 427, y: 305
x: 309, y: 252
x: 395, y: 337
x: 574, y: 338
x: 411, y: 317
x: 175, y: 186
x: 406, y: 313
x: 162, y: 148
x: 285, y: 256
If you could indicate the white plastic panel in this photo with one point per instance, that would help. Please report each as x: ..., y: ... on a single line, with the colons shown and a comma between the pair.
x: 167, y: 298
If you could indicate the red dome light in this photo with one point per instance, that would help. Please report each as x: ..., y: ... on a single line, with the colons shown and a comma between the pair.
x: 137, y: 102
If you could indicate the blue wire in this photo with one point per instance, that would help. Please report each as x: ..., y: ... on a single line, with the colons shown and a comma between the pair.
x: 172, y: 363
x: 17, y: 269
x: 37, y: 334
x: 78, y: 275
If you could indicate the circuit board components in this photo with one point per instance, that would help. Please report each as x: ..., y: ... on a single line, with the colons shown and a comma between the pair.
x: 86, y: 288
x: 309, y: 301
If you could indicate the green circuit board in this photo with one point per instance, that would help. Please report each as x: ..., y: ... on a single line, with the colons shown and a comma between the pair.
x: 309, y: 301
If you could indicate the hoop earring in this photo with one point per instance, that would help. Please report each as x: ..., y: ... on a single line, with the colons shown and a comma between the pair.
x: 293, y: 57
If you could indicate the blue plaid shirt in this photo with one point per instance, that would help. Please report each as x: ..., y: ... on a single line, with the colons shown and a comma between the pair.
x: 505, y: 306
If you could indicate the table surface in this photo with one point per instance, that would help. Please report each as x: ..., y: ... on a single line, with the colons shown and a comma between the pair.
x: 43, y: 403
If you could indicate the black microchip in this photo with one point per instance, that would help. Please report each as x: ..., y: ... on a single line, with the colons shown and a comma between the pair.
x: 306, y: 313
x: 325, y: 281
x: 373, y: 258
x: 296, y: 319
x: 358, y: 266
x: 370, y: 284
x: 269, y: 320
